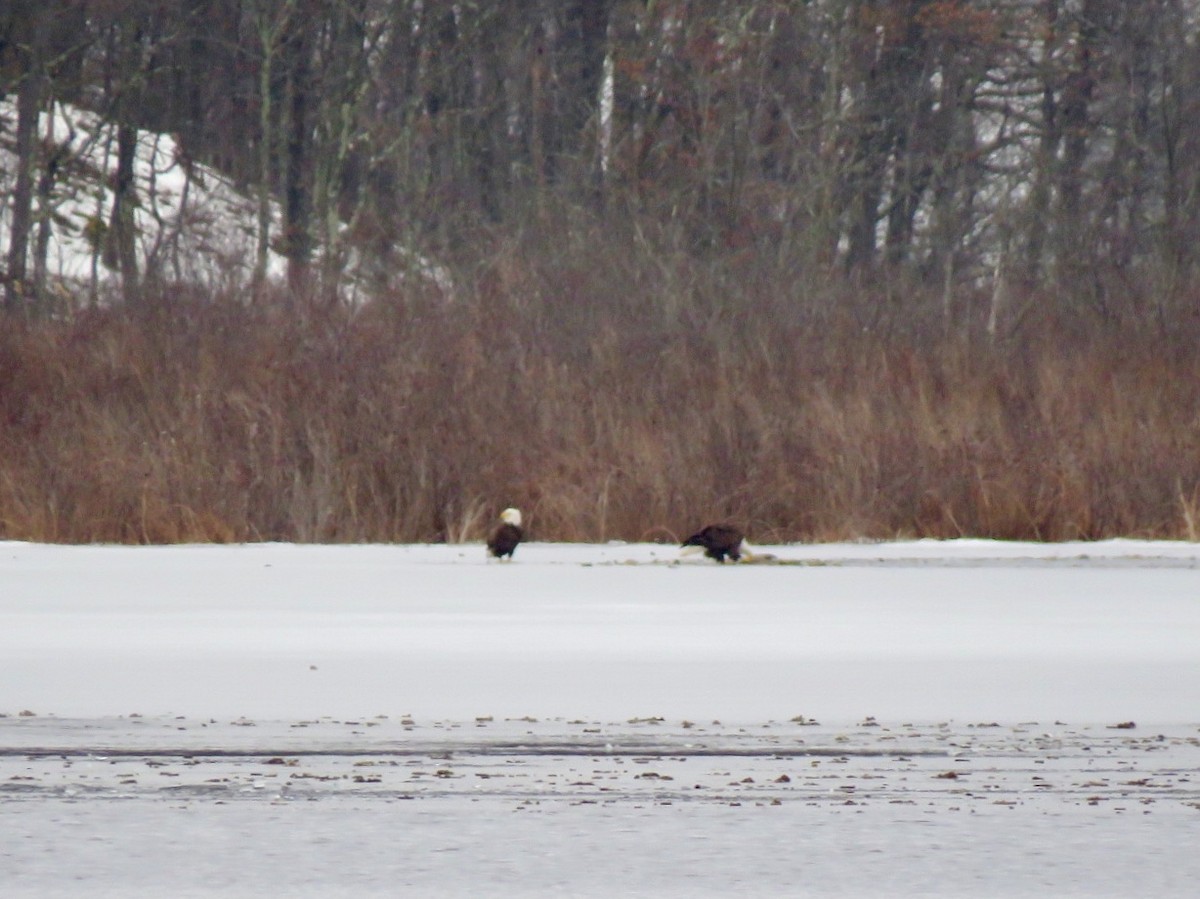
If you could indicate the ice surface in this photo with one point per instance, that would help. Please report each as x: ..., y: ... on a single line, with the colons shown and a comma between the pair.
x: 904, y: 719
x: 1093, y: 632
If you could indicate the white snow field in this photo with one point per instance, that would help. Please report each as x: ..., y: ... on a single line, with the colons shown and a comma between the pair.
x: 964, y: 718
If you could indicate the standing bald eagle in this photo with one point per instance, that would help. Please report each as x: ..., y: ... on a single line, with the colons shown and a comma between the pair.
x: 507, y: 535
x: 719, y: 541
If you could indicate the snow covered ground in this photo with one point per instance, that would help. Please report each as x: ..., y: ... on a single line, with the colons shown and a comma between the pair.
x: 192, y: 223
x: 903, y: 719
x: 971, y: 630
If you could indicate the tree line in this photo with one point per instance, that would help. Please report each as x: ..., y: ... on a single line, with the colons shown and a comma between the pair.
x: 828, y: 269
x: 980, y: 152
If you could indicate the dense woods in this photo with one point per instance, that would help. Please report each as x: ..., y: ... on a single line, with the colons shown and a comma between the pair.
x: 836, y: 268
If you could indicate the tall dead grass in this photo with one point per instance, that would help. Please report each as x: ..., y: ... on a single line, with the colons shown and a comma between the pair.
x: 607, y: 397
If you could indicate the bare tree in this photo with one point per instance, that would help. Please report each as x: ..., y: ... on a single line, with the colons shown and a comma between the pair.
x: 270, y: 22
x: 29, y: 43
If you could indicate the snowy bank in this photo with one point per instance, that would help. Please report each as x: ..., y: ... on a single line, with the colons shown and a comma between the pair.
x: 966, y: 630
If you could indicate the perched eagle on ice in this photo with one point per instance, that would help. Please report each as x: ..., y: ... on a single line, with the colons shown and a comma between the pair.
x: 507, y: 535
x: 719, y: 541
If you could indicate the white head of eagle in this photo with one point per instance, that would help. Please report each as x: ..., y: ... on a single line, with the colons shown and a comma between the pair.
x: 507, y: 534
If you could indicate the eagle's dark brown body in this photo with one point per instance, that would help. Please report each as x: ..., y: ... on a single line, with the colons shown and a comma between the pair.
x: 507, y: 535
x: 718, y: 541
x: 504, y: 540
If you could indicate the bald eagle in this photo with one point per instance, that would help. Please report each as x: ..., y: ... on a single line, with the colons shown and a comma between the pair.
x: 719, y: 541
x: 507, y: 535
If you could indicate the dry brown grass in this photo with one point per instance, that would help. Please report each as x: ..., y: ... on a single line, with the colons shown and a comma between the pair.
x: 608, y: 399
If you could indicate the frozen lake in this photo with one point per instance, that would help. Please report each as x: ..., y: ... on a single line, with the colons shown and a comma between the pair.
x: 909, y: 719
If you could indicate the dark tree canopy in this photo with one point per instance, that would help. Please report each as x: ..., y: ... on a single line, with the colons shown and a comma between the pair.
x: 964, y: 145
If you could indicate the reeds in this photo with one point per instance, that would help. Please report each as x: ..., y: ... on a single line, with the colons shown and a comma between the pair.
x: 605, y: 409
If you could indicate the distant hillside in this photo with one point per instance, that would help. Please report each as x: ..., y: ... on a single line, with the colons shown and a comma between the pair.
x: 192, y: 224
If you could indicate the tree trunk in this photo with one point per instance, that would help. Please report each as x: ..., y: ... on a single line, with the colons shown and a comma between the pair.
x: 271, y: 22
x: 297, y: 187
x: 122, y: 229
x: 45, y: 188
x: 18, y: 296
x: 265, y: 140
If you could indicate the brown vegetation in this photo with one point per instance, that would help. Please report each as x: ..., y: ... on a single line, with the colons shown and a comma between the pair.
x: 609, y: 394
